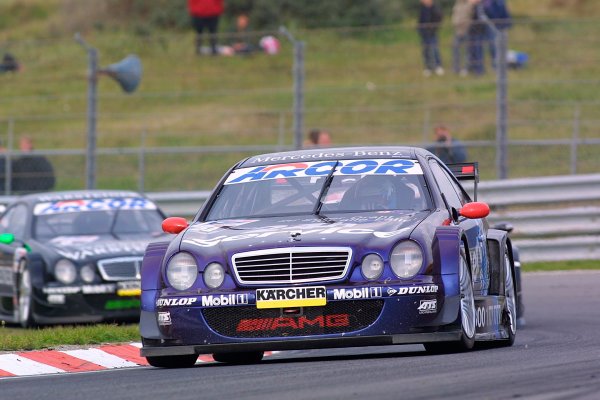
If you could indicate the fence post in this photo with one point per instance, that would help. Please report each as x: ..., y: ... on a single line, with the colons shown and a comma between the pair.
x: 142, y: 162
x: 90, y: 166
x: 7, y: 160
x: 575, y: 137
x: 426, y: 124
x: 298, y: 73
x: 281, y: 130
x: 501, y: 94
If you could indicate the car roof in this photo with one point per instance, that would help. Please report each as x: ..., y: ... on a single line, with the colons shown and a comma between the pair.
x: 335, y: 153
x: 76, y: 195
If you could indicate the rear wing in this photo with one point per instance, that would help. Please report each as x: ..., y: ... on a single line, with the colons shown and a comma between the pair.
x: 466, y: 171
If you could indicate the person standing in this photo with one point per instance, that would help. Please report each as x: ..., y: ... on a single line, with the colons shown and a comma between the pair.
x: 497, y: 12
x: 205, y: 16
x: 462, y: 15
x: 430, y: 17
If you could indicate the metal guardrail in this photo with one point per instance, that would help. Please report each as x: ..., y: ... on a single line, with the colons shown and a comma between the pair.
x: 562, y: 233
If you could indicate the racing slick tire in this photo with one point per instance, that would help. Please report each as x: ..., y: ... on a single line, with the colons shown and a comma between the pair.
x: 185, y: 361
x: 25, y: 297
x: 467, y: 314
x: 509, y: 314
x: 249, y: 357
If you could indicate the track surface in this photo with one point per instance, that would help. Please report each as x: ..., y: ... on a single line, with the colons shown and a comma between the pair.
x: 557, y: 356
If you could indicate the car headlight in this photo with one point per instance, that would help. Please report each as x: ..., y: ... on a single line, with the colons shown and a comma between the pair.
x: 87, y: 273
x: 214, y: 275
x: 372, y: 267
x: 406, y: 259
x: 65, y: 271
x: 182, y: 271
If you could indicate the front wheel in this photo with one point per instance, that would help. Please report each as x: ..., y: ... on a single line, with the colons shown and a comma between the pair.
x: 467, y: 314
x: 185, y: 361
x: 25, y: 298
x: 249, y: 357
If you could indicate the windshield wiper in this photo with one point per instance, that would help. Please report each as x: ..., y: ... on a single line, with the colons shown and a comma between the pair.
x: 324, y: 189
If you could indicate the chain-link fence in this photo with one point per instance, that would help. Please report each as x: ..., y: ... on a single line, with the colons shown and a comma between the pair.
x: 193, y: 116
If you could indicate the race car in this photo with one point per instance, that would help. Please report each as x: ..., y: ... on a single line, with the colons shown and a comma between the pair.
x: 329, y: 248
x: 74, y: 257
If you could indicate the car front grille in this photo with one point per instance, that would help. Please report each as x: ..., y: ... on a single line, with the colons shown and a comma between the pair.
x: 292, y: 265
x: 119, y: 269
x: 335, y: 317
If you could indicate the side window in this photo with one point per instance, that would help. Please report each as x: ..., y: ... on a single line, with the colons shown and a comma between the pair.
x: 15, y: 220
x: 447, y: 186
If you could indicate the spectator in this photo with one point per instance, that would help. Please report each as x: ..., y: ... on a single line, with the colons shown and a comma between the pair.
x: 477, y: 35
x: 318, y: 138
x: 430, y: 17
x: 462, y: 14
x: 448, y: 149
x: 497, y: 12
x: 31, y: 172
x: 242, y: 41
x: 205, y: 15
x: 9, y: 64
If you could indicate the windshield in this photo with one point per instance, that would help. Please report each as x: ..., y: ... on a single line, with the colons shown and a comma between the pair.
x: 120, y: 217
x: 312, y: 188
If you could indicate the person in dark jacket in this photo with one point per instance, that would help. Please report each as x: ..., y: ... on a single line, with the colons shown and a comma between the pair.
x: 31, y: 172
x: 205, y: 15
x: 430, y: 17
x: 497, y: 12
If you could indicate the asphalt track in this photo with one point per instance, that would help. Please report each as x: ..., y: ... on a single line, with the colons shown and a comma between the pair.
x: 557, y: 356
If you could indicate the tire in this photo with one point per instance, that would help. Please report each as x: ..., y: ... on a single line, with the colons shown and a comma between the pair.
x: 185, y: 361
x: 25, y: 298
x: 467, y: 315
x: 510, y: 312
x: 250, y: 357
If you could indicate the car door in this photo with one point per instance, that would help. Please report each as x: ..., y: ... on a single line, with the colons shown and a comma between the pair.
x: 14, y: 221
x: 475, y: 229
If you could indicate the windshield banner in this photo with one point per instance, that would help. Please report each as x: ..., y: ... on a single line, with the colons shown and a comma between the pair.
x: 323, y: 168
x: 105, y: 204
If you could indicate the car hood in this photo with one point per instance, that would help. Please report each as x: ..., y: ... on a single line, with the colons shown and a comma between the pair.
x: 357, y: 230
x: 93, y: 247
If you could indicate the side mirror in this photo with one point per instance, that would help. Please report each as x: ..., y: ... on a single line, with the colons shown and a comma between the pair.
x: 7, y: 238
x: 475, y: 210
x: 174, y: 225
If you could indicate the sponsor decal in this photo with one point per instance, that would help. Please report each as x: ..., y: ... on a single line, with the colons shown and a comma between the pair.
x: 488, y: 316
x: 164, y: 318
x: 291, y: 297
x: 427, y: 306
x: 171, y: 302
x: 122, y: 304
x: 85, y: 289
x: 56, y: 298
x: 137, y: 247
x: 293, y: 323
x: 362, y: 293
x: 323, y: 168
x: 425, y: 289
x: 129, y: 288
x: 316, y: 229
x: 224, y: 300
x: 328, y: 154
x: 105, y: 204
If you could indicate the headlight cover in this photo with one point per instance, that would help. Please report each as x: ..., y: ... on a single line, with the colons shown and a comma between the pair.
x: 406, y: 259
x: 214, y: 275
x: 182, y: 271
x: 372, y: 267
x: 65, y: 271
x: 87, y: 273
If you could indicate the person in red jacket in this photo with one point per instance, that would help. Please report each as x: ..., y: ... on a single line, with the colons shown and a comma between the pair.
x: 205, y: 15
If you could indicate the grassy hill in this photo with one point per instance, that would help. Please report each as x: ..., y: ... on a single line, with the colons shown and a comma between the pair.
x: 364, y: 85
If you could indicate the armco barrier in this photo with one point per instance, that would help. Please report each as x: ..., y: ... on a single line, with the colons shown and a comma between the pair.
x: 565, y: 227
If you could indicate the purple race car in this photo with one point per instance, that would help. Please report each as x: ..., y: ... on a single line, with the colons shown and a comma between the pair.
x: 329, y: 248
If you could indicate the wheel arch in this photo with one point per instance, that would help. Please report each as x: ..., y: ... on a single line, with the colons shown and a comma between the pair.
x: 497, y: 244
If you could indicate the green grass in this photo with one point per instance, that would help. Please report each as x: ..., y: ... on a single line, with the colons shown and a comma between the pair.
x: 562, y: 265
x: 14, y: 339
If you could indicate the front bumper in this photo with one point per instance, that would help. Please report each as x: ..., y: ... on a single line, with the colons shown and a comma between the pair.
x: 353, y: 316
x: 114, y: 301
